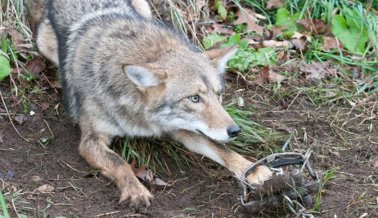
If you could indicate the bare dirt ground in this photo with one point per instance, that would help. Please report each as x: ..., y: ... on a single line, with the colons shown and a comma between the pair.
x: 344, y: 139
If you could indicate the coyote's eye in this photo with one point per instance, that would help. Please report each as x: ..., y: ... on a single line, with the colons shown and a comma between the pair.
x: 194, y: 98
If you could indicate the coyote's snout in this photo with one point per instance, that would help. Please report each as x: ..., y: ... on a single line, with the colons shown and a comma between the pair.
x: 124, y: 73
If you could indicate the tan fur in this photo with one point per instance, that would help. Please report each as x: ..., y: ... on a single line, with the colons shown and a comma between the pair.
x: 142, y: 7
x: 36, y: 9
x: 49, y: 47
x: 224, y: 156
x: 124, y: 73
x: 94, y: 149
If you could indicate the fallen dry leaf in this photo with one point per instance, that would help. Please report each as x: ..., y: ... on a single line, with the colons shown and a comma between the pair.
x: 277, y: 31
x: 36, y: 179
x: 275, y: 77
x: 298, y: 35
x: 271, y: 43
x: 20, y: 119
x: 314, y: 26
x: 300, y: 44
x: 267, y: 75
x: 274, y: 4
x: 17, y: 37
x: 263, y: 76
x: 159, y: 182
x: 317, y: 71
x: 220, y: 29
x: 36, y: 65
x: 146, y: 175
x: 248, y: 16
x: 45, y: 106
x: 142, y: 173
x: 330, y: 43
x: 283, y: 127
x: 46, y: 188
x: 281, y: 55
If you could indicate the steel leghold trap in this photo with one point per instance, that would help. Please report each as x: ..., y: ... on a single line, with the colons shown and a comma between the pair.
x: 291, y: 187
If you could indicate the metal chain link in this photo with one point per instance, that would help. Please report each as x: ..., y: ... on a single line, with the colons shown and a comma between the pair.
x: 294, y: 206
x: 297, y: 208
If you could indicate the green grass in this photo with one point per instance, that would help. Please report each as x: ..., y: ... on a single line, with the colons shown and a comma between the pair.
x: 3, y: 206
x: 255, y: 139
x: 16, y: 199
x: 327, y: 176
x: 151, y: 152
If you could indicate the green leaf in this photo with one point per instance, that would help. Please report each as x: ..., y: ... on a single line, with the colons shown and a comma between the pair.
x: 212, y: 39
x: 4, y: 46
x: 283, y: 18
x: 248, y: 58
x: 5, y: 68
x: 352, y: 34
x: 232, y: 41
x: 221, y: 10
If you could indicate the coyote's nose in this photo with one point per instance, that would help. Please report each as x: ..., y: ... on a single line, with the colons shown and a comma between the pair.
x: 233, y: 131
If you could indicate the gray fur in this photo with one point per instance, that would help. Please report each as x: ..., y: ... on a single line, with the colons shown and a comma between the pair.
x: 124, y: 73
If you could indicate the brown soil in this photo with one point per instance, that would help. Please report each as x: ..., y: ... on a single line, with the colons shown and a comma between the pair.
x: 81, y: 192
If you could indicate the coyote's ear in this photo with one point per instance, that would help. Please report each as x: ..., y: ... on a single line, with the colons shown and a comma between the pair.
x: 220, y: 57
x: 142, y: 76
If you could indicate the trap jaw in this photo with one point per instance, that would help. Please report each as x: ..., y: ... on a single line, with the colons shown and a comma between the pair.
x: 308, y: 185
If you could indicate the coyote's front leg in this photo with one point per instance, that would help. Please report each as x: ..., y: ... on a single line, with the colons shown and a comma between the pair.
x: 222, y: 155
x: 94, y: 149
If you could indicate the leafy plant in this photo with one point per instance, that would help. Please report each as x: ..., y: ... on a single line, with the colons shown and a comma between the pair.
x: 284, y: 19
x: 247, y: 58
x: 351, y: 30
x: 5, y: 68
x: 210, y: 40
x: 221, y: 10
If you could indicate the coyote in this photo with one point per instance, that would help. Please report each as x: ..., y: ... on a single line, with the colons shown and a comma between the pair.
x: 125, y: 73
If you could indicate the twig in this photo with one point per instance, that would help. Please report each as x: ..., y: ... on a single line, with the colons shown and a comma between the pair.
x: 69, y: 166
x: 10, y: 119
x: 14, y: 208
x: 48, y: 127
x: 109, y: 213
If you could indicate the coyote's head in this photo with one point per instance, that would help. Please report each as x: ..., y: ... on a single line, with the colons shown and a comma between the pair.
x: 182, y: 90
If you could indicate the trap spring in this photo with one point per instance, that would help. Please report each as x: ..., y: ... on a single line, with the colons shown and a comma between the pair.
x: 289, y: 197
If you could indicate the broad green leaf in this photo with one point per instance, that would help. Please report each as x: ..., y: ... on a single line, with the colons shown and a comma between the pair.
x: 283, y: 18
x: 353, y: 35
x: 221, y: 10
x: 210, y: 40
x: 5, y: 68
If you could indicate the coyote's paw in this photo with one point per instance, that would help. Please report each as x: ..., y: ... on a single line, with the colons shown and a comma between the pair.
x: 136, y: 195
x: 261, y: 174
